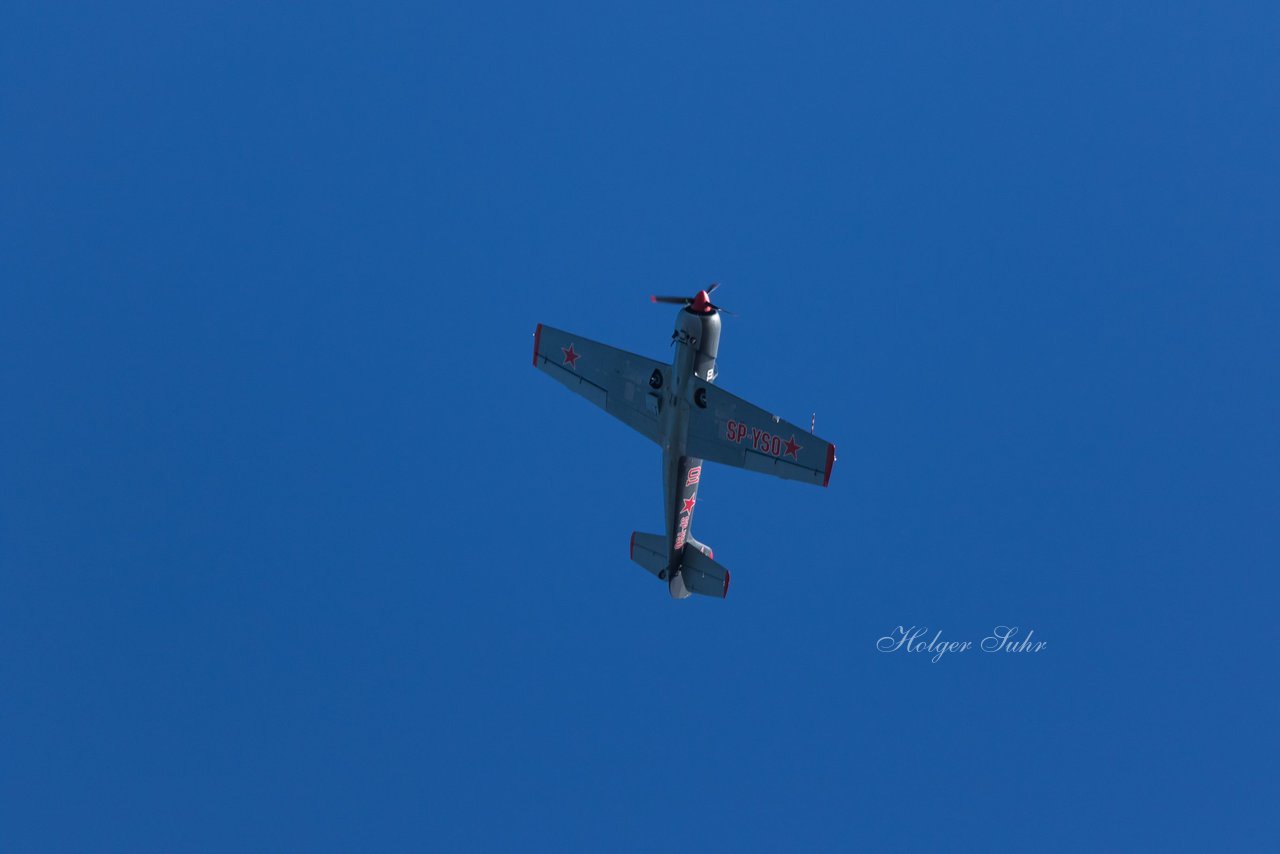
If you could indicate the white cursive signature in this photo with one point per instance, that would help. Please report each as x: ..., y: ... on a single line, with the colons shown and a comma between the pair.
x: 913, y: 639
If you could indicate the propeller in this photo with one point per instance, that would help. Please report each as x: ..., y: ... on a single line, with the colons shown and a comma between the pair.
x: 699, y: 303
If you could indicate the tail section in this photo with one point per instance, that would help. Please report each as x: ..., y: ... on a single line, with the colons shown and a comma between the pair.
x: 697, y: 572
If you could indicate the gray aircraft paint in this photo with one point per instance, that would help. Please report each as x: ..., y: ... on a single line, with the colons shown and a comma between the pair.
x: 677, y: 407
x: 697, y: 341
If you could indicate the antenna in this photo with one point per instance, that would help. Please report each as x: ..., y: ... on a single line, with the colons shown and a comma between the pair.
x: 813, y: 422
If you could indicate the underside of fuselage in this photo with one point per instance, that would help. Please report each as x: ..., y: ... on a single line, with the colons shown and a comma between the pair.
x: 697, y: 341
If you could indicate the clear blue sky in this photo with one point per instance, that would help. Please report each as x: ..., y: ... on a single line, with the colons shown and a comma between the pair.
x: 297, y: 551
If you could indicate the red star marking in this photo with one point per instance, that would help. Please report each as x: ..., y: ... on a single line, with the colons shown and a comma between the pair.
x: 792, y: 448
x: 688, y: 504
x: 570, y: 358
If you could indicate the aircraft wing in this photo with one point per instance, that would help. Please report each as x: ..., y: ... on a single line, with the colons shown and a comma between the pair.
x: 731, y: 431
x: 614, y: 380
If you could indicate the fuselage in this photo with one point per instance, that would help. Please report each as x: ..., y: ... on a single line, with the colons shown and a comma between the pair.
x: 697, y: 340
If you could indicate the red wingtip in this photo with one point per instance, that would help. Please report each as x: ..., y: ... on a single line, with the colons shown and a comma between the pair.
x: 710, y: 553
x: 725, y: 593
x: 537, y: 340
x: 831, y: 461
x: 653, y: 299
x: 633, y: 545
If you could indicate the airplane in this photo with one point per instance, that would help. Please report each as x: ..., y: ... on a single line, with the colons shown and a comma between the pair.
x: 693, y: 421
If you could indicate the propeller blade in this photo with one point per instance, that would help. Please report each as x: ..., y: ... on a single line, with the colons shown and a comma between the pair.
x: 714, y: 285
x: 673, y: 300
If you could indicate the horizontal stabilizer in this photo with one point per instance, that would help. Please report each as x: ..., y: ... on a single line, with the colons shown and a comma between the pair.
x: 703, y: 575
x: 650, y: 551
